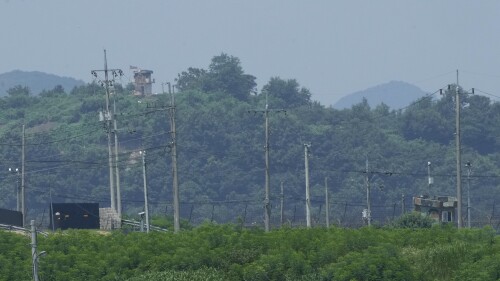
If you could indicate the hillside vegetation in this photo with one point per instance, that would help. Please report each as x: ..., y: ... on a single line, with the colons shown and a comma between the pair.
x: 220, y: 137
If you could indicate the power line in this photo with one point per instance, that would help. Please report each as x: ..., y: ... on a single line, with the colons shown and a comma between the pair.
x: 486, y: 93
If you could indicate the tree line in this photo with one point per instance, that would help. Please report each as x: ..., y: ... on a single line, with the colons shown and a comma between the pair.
x: 220, y: 148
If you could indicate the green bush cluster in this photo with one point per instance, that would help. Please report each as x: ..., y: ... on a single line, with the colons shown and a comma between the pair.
x: 226, y: 252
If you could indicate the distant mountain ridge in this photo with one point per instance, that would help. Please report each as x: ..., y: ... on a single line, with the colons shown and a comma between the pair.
x: 395, y: 94
x: 35, y: 80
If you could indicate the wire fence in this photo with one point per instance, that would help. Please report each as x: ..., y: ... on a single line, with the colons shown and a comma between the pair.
x: 250, y: 213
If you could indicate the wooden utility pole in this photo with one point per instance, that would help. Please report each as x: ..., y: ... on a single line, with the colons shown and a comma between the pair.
x: 308, y: 200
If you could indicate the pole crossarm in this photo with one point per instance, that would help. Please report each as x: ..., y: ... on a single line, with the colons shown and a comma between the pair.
x: 107, y: 82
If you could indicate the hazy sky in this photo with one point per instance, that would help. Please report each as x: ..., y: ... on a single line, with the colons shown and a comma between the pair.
x: 332, y: 47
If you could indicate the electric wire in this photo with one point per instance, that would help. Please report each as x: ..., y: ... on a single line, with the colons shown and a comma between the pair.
x: 486, y: 93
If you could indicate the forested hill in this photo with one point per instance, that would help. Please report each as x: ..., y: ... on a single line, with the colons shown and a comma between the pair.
x: 395, y: 94
x: 36, y: 81
x: 221, y: 138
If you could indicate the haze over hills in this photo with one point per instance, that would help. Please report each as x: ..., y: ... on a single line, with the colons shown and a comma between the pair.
x: 35, y: 80
x: 395, y: 94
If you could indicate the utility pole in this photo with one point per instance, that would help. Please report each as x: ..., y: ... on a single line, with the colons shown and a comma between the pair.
x: 368, y: 203
x: 23, y: 193
x: 282, y: 197
x: 117, y: 170
x: 108, y: 117
x: 146, y: 206
x: 173, y: 150
x: 34, y: 254
x: 327, y: 204
x: 267, y: 203
x: 308, y: 202
x: 18, y: 188
x: 459, y: 157
x: 173, y: 144
x: 403, y: 207
x: 52, y: 211
x: 469, y: 167
x: 34, y: 259
x: 430, y: 179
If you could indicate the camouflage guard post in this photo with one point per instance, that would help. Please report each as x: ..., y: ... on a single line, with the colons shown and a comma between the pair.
x: 440, y: 208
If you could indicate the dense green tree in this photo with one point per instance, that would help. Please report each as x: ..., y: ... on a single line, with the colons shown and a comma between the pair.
x: 286, y: 93
x: 192, y: 79
x: 19, y: 91
x: 226, y: 74
x: 57, y: 91
x: 422, y: 120
x: 18, y: 97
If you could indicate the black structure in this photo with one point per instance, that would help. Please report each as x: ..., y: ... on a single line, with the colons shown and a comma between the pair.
x: 11, y: 217
x: 75, y: 215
